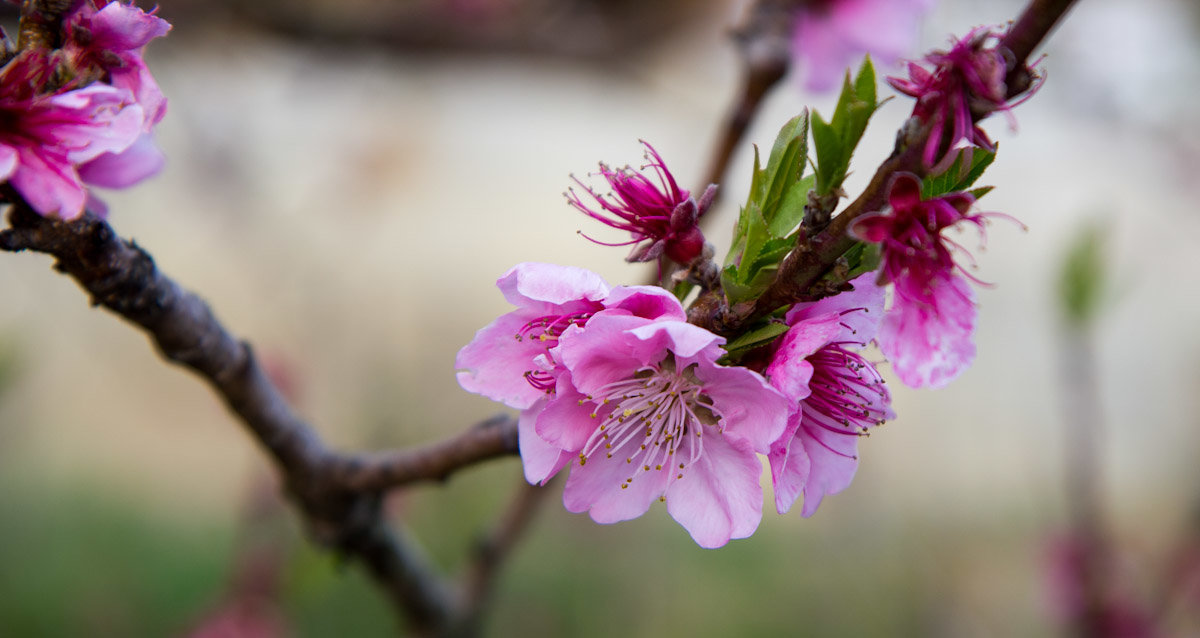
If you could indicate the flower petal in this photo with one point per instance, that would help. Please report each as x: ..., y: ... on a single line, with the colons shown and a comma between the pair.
x: 928, y: 332
x: 494, y: 363
x: 531, y: 282
x: 719, y: 496
x: 540, y: 459
x: 648, y: 302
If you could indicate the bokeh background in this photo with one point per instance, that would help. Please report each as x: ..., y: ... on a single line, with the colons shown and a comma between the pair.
x: 348, y: 179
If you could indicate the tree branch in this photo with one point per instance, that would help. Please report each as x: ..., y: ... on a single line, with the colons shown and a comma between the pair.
x: 338, y: 495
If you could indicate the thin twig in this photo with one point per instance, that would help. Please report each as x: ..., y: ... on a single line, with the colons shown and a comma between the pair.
x: 764, y: 42
x: 490, y: 553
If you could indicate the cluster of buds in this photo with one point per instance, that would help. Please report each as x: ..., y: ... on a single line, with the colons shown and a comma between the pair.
x: 640, y: 404
x: 78, y: 107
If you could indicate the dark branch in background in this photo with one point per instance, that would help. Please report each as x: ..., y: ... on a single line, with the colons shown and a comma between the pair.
x: 338, y: 495
x: 765, y: 44
x: 800, y: 274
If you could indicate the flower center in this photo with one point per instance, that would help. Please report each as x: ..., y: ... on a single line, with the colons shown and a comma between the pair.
x: 848, y: 395
x: 656, y: 420
x: 546, y: 330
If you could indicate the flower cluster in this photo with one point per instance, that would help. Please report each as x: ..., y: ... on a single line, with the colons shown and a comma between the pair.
x: 964, y: 85
x: 82, y: 114
x: 616, y: 384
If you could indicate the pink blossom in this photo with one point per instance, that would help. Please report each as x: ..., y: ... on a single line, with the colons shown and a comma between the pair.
x: 836, y: 394
x: 927, y: 333
x: 831, y: 35
x: 965, y: 85
x: 649, y: 415
x: 109, y: 38
x: 661, y: 218
x: 44, y: 137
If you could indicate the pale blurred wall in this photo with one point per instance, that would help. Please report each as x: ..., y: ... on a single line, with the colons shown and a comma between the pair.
x: 349, y: 211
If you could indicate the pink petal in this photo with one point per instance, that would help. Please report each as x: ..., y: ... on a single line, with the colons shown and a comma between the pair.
x: 540, y: 459
x: 8, y: 160
x: 595, y: 487
x: 833, y: 460
x: 904, y: 192
x: 789, y: 470
x: 750, y: 408
x: 684, y: 339
x: 528, y: 283
x: 860, y: 310
x: 824, y: 54
x: 120, y: 170
x: 649, y: 302
x: 567, y: 422
x: 928, y: 332
x: 495, y: 361
x: 719, y: 496
x: 49, y: 184
x: 887, y: 29
x: 124, y: 27
x: 600, y: 354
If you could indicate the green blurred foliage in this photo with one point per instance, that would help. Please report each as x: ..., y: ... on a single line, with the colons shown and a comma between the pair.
x: 1081, y: 284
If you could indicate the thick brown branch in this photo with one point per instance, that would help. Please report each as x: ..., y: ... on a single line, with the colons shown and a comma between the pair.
x: 339, y: 496
x: 1036, y: 22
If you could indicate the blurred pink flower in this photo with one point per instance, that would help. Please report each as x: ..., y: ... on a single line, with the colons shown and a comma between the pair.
x: 836, y: 394
x: 831, y: 35
x: 110, y: 38
x: 662, y: 218
x: 651, y: 415
x: 928, y: 332
x: 45, y: 136
x: 965, y: 85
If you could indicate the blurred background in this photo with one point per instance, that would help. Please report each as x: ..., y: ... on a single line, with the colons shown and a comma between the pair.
x: 348, y: 179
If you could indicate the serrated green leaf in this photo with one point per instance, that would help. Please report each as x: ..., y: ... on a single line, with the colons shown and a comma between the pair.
x: 791, y: 210
x: 829, y: 152
x: 796, y: 130
x: 862, y: 258
x: 682, y: 289
x: 756, y: 237
x: 756, y: 179
x: 864, y: 84
x: 773, y: 252
x: 757, y: 337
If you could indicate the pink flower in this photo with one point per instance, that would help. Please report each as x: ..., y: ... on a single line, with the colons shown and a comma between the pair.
x: 965, y: 85
x: 649, y: 415
x: 662, y: 218
x: 512, y: 359
x: 109, y: 38
x: 105, y: 41
x: 836, y: 394
x: 831, y: 35
x: 44, y: 137
x: 927, y: 334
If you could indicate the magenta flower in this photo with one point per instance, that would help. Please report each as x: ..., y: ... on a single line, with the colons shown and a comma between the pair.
x: 662, y: 218
x: 836, y: 395
x: 965, y: 85
x: 927, y: 334
x: 44, y: 137
x: 831, y: 35
x: 649, y: 415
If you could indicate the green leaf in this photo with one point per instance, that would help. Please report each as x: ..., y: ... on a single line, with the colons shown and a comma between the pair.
x: 836, y: 139
x: 791, y: 209
x: 955, y: 179
x: 757, y: 337
x: 977, y: 193
x: 756, y: 179
x: 828, y: 145
x: 862, y: 258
